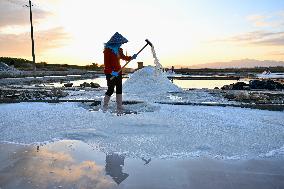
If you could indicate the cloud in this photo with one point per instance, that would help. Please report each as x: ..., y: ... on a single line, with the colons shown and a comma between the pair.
x: 258, y: 20
x: 276, y: 53
x: 20, y: 45
x: 276, y: 40
x: 271, y: 33
x: 268, y: 20
x: 13, y: 13
x: 262, y: 38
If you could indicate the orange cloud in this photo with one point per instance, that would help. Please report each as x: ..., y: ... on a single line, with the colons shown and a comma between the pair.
x: 50, y: 167
x: 20, y: 45
x: 13, y: 13
x: 260, y: 38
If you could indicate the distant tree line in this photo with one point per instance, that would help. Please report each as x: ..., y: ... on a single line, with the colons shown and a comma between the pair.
x: 23, y: 64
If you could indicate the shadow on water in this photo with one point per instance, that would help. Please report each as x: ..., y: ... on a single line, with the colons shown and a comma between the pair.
x: 114, y: 166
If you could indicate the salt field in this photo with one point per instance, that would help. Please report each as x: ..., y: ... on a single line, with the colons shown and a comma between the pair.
x: 154, y: 130
x: 169, y: 135
x: 213, y: 132
x: 141, y: 94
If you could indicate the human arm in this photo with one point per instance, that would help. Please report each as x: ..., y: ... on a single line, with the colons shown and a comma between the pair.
x: 124, y: 57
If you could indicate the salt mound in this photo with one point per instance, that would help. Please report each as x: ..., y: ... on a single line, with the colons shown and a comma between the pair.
x: 147, y: 82
x: 4, y: 68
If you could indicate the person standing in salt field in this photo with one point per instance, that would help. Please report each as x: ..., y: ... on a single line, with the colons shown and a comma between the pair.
x: 112, y: 55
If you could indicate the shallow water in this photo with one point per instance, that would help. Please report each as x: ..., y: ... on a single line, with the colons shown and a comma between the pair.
x: 75, y: 164
x: 194, y: 84
x: 206, y: 84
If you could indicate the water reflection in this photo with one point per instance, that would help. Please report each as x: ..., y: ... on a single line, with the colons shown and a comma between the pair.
x: 196, y: 84
x: 113, y: 167
x: 200, y: 84
x: 43, y: 168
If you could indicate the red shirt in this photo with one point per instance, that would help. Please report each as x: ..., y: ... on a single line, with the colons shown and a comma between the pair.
x: 112, y: 61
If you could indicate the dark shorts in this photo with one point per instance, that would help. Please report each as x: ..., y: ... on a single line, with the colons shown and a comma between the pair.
x: 116, y: 82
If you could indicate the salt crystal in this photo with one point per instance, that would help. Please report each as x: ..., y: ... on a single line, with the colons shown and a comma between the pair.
x: 150, y: 81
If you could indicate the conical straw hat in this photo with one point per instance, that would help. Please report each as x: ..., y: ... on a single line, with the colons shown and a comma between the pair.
x: 117, y: 38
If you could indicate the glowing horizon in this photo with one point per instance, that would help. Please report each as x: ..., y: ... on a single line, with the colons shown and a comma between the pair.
x: 183, y: 32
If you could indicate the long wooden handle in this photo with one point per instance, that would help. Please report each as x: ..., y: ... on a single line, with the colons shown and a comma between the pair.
x: 129, y: 61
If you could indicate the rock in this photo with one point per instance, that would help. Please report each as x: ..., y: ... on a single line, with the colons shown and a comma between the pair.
x: 236, y: 86
x: 266, y: 84
x: 58, y: 93
x: 85, y: 84
x: 95, y: 85
x: 243, y: 96
x: 68, y: 84
x: 255, y: 84
x: 32, y: 94
x: 227, y: 87
x: 229, y: 96
x: 92, y: 85
x: 246, y: 87
x: 239, y: 86
x: 216, y: 88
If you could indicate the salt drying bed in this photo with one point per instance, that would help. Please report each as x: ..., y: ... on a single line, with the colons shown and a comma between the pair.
x: 170, y: 132
x: 157, y: 131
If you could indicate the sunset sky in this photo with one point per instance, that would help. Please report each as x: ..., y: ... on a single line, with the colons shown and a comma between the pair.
x: 184, y: 32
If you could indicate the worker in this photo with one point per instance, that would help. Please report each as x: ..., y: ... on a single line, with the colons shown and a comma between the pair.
x: 112, y: 55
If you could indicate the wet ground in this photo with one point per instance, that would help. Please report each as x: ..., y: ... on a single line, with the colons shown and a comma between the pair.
x: 74, y: 164
x: 163, y: 146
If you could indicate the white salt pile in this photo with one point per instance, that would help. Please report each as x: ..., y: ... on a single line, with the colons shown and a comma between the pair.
x: 146, y: 81
x: 149, y: 81
x: 7, y: 69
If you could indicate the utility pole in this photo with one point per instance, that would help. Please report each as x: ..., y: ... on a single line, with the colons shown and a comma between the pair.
x: 32, y: 35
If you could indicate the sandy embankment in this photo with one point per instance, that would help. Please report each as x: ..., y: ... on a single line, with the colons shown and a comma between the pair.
x: 74, y: 164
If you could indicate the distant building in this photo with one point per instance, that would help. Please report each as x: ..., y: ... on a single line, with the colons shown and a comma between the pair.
x: 140, y: 65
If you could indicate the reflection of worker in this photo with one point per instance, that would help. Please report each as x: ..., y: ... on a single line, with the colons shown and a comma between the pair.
x: 112, y: 55
x: 114, y: 163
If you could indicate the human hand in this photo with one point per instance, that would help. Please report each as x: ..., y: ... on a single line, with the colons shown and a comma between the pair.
x: 115, y: 74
